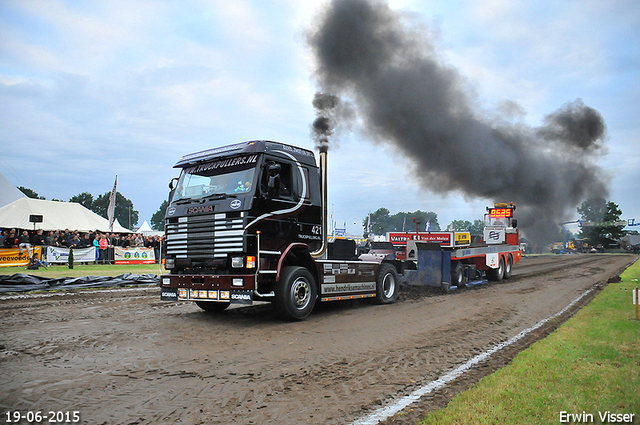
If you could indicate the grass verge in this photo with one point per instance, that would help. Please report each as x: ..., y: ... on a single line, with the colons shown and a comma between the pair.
x: 590, y: 365
x: 80, y: 270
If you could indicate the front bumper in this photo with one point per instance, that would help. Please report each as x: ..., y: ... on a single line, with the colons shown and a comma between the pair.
x: 216, y: 288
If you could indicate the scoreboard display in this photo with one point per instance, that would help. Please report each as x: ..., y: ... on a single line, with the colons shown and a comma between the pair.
x: 500, y: 212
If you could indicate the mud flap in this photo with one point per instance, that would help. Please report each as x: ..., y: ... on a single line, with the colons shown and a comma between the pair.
x: 169, y: 294
x: 242, y: 297
x: 493, y: 260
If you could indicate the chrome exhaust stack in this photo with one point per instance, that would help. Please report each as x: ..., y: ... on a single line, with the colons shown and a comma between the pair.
x: 323, y: 193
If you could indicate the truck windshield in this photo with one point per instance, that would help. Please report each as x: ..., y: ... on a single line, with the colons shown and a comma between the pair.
x: 208, y: 180
x: 496, y: 221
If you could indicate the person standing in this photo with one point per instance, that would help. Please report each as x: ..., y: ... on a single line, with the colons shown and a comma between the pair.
x: 96, y: 245
x: 104, y: 245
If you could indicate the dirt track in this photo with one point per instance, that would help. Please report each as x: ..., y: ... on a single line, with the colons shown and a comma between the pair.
x: 125, y: 357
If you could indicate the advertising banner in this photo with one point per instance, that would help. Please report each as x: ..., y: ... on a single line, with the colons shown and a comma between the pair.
x: 57, y: 255
x: 134, y: 255
x: 11, y: 257
x: 444, y: 238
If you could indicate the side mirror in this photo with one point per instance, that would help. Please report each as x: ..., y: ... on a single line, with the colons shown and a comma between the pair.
x: 172, y: 183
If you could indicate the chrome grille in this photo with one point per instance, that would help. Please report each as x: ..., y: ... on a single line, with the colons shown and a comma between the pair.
x: 205, y: 236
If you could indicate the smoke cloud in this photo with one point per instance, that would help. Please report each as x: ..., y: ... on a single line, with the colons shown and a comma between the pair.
x: 406, y: 97
x: 332, y: 114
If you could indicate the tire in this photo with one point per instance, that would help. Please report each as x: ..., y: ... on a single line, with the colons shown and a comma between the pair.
x: 212, y: 306
x: 296, y: 293
x: 509, y: 267
x: 387, y: 285
x: 457, y: 275
x: 496, y: 274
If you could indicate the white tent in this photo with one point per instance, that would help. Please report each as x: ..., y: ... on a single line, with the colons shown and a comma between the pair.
x: 56, y: 216
x: 8, y: 192
x: 146, y: 230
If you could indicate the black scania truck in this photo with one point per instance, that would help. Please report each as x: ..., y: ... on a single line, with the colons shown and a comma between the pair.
x: 247, y: 222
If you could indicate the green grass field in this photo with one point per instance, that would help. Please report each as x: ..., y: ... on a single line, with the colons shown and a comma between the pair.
x: 590, y: 365
x: 80, y: 270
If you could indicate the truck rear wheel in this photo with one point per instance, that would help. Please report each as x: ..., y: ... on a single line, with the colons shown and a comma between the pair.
x: 496, y: 274
x: 212, y: 306
x: 296, y: 293
x: 387, y: 284
x: 509, y: 267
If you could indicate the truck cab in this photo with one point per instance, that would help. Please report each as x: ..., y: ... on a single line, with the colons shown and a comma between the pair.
x: 247, y: 222
x: 230, y: 211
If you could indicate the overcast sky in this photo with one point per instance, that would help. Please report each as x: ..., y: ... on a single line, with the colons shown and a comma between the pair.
x: 94, y: 89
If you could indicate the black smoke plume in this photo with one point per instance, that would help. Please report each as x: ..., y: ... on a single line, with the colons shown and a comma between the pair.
x: 405, y: 96
x: 332, y: 114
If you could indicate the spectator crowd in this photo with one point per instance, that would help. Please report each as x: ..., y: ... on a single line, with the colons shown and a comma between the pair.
x: 24, y: 239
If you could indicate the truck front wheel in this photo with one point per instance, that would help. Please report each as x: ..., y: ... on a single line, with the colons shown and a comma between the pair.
x: 387, y: 285
x: 296, y: 293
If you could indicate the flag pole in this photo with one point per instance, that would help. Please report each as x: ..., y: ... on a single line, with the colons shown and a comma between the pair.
x: 112, y: 205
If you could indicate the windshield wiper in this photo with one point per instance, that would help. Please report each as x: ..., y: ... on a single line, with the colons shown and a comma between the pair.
x: 220, y: 196
x: 183, y: 201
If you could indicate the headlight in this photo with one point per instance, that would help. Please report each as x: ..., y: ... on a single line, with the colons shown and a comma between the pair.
x: 198, y: 293
x: 182, y: 293
x: 237, y: 281
x: 237, y: 262
x: 169, y: 263
x: 224, y: 295
x: 166, y: 281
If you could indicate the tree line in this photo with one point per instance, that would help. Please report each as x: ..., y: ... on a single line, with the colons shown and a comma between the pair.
x: 382, y: 221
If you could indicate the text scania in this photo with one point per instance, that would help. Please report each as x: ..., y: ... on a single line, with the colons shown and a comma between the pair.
x: 231, y: 162
x: 203, y: 209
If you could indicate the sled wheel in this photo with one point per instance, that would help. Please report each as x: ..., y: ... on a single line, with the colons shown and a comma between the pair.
x: 457, y: 275
x: 509, y: 267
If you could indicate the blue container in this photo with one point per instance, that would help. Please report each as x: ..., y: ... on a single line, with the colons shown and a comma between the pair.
x: 433, y: 268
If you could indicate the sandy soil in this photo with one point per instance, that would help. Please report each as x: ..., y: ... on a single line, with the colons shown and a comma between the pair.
x: 123, y: 356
